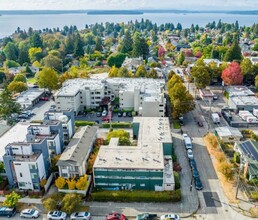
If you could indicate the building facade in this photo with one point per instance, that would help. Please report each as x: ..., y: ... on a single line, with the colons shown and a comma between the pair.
x: 136, y: 94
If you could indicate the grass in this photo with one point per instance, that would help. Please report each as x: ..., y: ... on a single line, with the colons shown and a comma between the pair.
x: 176, y: 124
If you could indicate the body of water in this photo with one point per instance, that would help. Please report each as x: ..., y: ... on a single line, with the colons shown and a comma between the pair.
x: 9, y: 23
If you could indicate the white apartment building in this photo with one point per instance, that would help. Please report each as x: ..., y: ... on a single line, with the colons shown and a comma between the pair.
x: 145, y: 96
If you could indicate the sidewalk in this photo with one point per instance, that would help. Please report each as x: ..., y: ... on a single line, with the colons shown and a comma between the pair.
x: 25, y: 200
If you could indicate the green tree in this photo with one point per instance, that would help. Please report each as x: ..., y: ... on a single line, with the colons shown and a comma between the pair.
x: 127, y: 43
x: 116, y: 59
x: 200, y: 74
x: 11, y: 199
x: 10, y: 64
x: 123, y: 72
x: 35, y: 54
x: 140, y: 46
x: 78, y: 46
x: 141, y: 71
x: 11, y: 51
x: 48, y: 79
x: 153, y: 74
x: 49, y: 204
x: 17, y: 87
x: 23, y: 56
x: 7, y: 105
x: 173, y: 81
x: 71, y: 202
x: 20, y: 78
x: 53, y: 62
x: 181, y: 58
x: 247, y: 69
x: 35, y: 40
x: 69, y: 44
x: 233, y: 53
x: 98, y: 46
x: 2, y: 77
x: 170, y: 74
x: 124, y: 137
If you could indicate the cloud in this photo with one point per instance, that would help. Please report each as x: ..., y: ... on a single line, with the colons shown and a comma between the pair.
x: 128, y: 4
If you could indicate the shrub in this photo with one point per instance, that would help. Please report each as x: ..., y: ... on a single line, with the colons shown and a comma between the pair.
x: 50, y: 204
x: 11, y: 199
x: 84, y: 123
x: 177, y: 180
x: 117, y: 125
x: 237, y: 157
x: 254, y: 195
x: 71, y: 202
x: 226, y: 170
x: 220, y: 156
x: 60, y: 182
x: 137, y: 196
x: 254, y: 212
x: 177, y: 167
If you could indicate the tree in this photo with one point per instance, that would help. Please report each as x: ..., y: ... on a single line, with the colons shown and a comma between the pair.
x: 233, y: 53
x: 71, y: 183
x: 170, y: 74
x: 11, y: 51
x: 2, y: 77
x: 113, y: 72
x: 23, y: 55
x: 7, y: 105
x: 10, y: 64
x: 48, y: 78
x: 140, y: 46
x: 17, y: 87
x: 82, y: 183
x: 71, y: 202
x: 20, y: 78
x: 181, y: 58
x: 60, y: 182
x: 49, y: 204
x: 232, y: 75
x: 123, y: 72
x: 173, y: 81
x: 35, y: 40
x: 78, y: 46
x: 53, y: 62
x: 116, y: 59
x: 35, y: 54
x: 153, y: 74
x: 127, y: 43
x: 124, y: 137
x: 141, y: 71
x: 247, y: 69
x: 98, y: 46
x: 69, y: 44
x: 11, y: 199
x: 161, y: 52
x: 226, y: 169
x: 200, y: 74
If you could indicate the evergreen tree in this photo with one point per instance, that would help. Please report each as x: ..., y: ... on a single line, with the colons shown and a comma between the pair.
x: 233, y: 53
x: 23, y: 56
x: 36, y: 41
x: 78, y: 46
x: 126, y: 45
x: 11, y: 51
x: 69, y: 44
x: 98, y: 46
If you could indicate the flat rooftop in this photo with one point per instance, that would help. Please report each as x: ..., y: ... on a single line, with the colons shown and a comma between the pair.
x: 29, y: 95
x: 148, y: 154
x: 228, y: 131
x: 245, y: 100
x: 239, y: 91
x: 16, y: 134
x: 26, y: 158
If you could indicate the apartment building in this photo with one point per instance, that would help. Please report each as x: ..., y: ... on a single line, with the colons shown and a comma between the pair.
x: 147, y: 166
x: 145, y: 96
x: 73, y: 161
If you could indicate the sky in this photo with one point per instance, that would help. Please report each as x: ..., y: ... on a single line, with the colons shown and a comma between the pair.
x: 128, y: 4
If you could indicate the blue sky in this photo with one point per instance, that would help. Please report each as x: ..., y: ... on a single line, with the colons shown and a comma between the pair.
x: 129, y: 4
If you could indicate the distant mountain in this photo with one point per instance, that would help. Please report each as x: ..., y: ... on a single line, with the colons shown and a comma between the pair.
x: 110, y: 12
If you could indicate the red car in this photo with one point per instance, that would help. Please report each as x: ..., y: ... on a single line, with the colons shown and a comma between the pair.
x: 116, y: 216
x: 44, y: 98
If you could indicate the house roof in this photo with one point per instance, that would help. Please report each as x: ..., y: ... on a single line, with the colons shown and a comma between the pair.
x: 228, y: 131
x: 78, y: 149
x: 249, y: 149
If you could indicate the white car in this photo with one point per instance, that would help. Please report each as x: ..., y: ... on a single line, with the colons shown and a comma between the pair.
x: 80, y: 215
x: 29, y: 213
x: 56, y: 215
x: 190, y: 154
x: 170, y: 217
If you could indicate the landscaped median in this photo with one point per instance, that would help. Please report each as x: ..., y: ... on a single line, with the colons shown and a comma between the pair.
x: 136, y: 196
x: 84, y: 123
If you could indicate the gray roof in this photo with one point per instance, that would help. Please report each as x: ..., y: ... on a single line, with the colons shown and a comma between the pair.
x: 78, y: 149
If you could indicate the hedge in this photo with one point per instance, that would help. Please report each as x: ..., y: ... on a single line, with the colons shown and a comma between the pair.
x: 136, y: 196
x: 117, y: 125
x: 84, y: 123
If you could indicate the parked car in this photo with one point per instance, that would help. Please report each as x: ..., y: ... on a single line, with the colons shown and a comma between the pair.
x: 170, y: 217
x: 56, y: 215
x: 23, y: 116
x: 116, y: 216
x: 195, y: 172
x: 104, y: 113
x: 192, y: 163
x: 215, y: 97
x: 120, y: 114
x: 98, y: 114
x: 129, y: 114
x: 43, y: 98
x: 80, y: 215
x: 198, y: 183
x: 147, y: 216
x: 7, y: 212
x: 29, y: 213
x: 124, y: 114
x: 190, y: 153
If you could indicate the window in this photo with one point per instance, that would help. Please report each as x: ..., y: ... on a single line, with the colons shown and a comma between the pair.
x: 64, y: 175
x: 20, y: 174
x: 160, y: 110
x: 21, y: 184
x: 32, y: 167
x: 142, y: 185
x: 34, y: 176
x: 81, y: 102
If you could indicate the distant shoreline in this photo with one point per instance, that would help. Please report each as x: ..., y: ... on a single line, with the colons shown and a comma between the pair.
x: 121, y: 12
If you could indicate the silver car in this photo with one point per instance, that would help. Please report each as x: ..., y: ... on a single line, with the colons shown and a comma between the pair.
x: 56, y: 215
x: 80, y: 215
x: 29, y: 213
